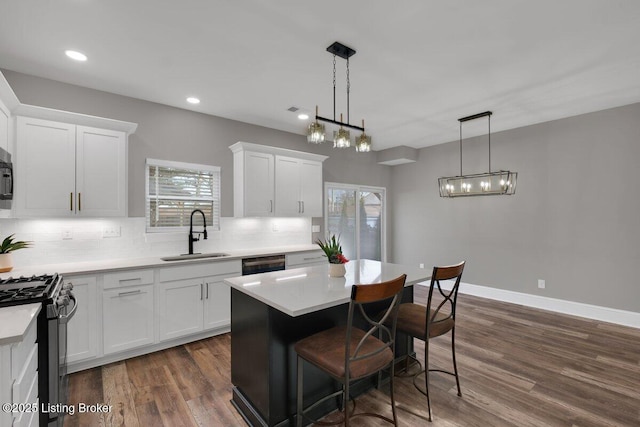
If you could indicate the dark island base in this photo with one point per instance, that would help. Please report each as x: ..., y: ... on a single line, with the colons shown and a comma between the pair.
x: 263, y: 361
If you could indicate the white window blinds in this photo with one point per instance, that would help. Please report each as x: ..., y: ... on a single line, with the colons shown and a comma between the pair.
x: 175, y: 189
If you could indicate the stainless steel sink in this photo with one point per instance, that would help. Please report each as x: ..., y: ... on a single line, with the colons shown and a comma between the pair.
x: 194, y: 256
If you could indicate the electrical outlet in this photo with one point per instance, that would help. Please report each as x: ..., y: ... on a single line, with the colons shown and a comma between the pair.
x: 274, y: 226
x: 67, y: 233
x: 111, y: 231
x: 541, y: 284
x: 421, y: 265
x: 315, y: 228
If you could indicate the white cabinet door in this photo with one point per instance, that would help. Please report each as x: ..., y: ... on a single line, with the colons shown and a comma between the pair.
x: 181, y: 308
x: 68, y: 170
x: 287, y: 199
x: 101, y: 172
x: 298, y: 187
x: 258, y: 184
x: 82, y: 329
x: 127, y: 318
x: 217, y: 303
x: 45, y: 168
x: 311, y: 188
x: 4, y: 130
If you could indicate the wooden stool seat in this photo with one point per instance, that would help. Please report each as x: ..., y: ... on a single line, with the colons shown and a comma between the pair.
x: 413, y: 318
x: 326, y: 350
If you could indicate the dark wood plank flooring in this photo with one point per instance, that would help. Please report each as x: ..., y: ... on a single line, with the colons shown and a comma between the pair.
x: 518, y: 367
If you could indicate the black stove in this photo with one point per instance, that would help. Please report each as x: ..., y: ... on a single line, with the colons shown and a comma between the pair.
x: 25, y: 290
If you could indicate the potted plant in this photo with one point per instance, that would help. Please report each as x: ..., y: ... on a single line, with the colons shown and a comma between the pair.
x: 333, y: 251
x: 9, y: 245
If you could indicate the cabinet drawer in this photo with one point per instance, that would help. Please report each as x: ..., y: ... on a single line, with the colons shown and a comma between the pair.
x: 21, y: 351
x: 128, y: 278
x: 23, y: 382
x: 231, y: 267
x: 305, y: 258
x: 28, y: 418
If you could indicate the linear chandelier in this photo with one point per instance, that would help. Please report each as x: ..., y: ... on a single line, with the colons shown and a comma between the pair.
x: 341, y: 137
x: 499, y: 183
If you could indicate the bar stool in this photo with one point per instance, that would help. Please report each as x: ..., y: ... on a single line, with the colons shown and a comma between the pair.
x: 348, y: 353
x: 425, y: 322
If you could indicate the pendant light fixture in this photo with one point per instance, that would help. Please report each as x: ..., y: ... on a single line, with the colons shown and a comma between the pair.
x: 341, y: 137
x: 363, y: 142
x: 499, y: 183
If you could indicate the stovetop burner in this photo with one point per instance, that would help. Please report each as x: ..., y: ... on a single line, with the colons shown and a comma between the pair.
x: 21, y: 290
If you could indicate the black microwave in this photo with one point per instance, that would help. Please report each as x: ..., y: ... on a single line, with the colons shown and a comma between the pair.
x: 6, y: 180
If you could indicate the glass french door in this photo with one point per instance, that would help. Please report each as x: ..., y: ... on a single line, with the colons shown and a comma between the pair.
x: 357, y: 215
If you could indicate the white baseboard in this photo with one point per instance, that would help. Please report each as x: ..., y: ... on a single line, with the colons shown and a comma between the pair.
x: 605, y: 314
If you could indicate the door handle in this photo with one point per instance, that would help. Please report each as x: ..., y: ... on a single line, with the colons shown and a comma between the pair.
x: 71, y: 201
x: 79, y: 201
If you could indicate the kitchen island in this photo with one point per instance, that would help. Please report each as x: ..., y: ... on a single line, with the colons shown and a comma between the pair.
x: 270, y: 312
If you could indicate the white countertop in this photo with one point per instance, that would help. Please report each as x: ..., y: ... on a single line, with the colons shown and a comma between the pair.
x: 304, y: 290
x: 15, y: 320
x: 89, y: 267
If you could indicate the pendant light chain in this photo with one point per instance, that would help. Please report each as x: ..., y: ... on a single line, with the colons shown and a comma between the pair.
x: 489, y: 117
x: 348, y: 90
x: 460, y: 148
x: 334, y: 87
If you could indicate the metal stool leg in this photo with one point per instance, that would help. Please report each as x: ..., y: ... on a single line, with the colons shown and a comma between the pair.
x: 426, y: 376
x: 299, y: 392
x: 453, y: 355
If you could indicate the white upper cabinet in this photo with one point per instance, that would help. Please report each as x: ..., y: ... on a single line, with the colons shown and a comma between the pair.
x: 68, y: 170
x: 298, y: 187
x: 271, y: 181
x: 257, y: 185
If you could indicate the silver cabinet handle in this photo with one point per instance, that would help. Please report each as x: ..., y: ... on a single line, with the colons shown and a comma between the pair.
x: 207, y: 285
x: 302, y: 206
x: 315, y: 257
x: 201, y: 291
x: 121, y: 294
x: 129, y: 280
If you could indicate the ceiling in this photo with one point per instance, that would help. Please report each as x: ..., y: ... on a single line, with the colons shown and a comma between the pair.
x: 420, y: 64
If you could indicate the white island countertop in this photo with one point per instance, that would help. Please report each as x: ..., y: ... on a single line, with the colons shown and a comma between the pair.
x: 15, y: 320
x: 305, y: 290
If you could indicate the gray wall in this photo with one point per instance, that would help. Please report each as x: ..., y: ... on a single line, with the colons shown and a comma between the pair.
x: 574, y: 220
x: 174, y: 134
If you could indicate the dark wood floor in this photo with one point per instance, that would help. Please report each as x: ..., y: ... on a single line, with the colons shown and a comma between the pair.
x: 519, y: 367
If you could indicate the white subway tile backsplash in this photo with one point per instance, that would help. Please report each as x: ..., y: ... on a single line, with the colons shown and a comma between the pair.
x: 86, y: 242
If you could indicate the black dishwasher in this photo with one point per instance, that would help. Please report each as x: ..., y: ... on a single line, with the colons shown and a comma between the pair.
x: 262, y: 264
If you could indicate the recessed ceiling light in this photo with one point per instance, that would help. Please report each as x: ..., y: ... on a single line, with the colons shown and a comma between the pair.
x: 303, y: 116
x: 76, y: 55
x: 193, y: 100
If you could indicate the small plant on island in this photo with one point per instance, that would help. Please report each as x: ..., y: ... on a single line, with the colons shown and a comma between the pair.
x: 333, y: 250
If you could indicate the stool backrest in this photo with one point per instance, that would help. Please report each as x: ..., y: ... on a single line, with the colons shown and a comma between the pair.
x: 362, y: 295
x: 451, y: 272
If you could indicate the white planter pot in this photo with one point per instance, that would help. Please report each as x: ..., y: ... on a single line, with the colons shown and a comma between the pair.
x: 337, y: 270
x: 6, y: 262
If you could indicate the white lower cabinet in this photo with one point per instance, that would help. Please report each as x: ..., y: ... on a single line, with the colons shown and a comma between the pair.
x: 19, y: 379
x: 128, y: 318
x: 197, y: 303
x: 217, y: 305
x: 82, y: 330
x: 181, y: 308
